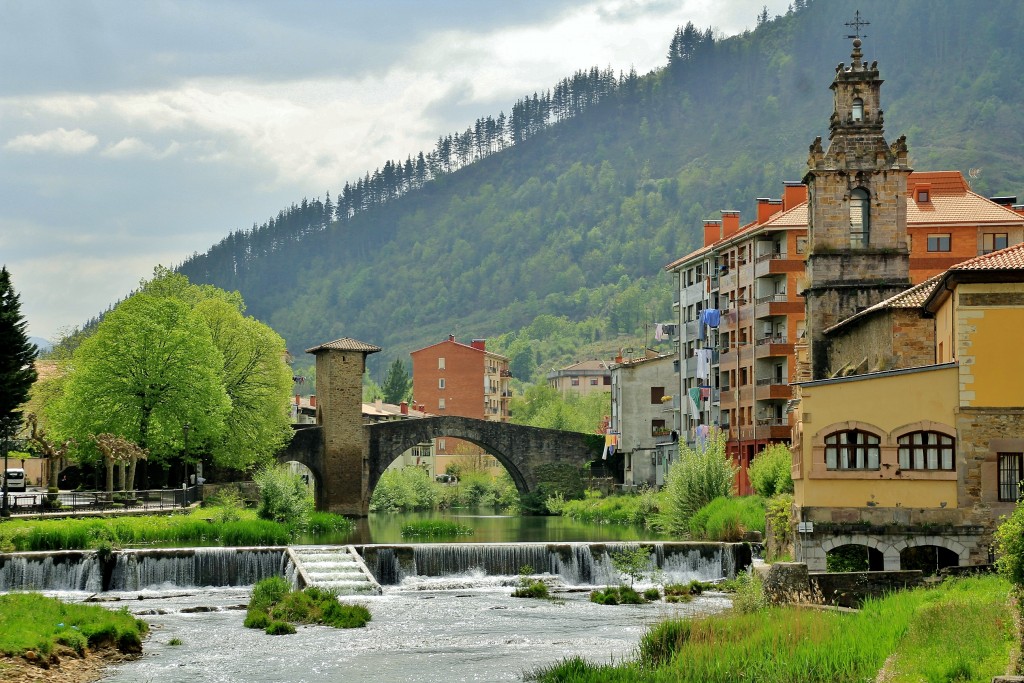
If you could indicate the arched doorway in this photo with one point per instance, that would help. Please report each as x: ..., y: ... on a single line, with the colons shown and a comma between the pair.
x: 853, y: 557
x: 929, y: 559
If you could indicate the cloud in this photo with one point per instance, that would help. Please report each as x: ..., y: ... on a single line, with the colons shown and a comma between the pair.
x: 60, y: 141
x: 131, y: 147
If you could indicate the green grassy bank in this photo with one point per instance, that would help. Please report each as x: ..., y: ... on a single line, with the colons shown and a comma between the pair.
x: 960, y: 631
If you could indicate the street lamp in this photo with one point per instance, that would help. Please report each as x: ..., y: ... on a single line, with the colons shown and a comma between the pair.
x: 7, y: 425
x: 184, y: 460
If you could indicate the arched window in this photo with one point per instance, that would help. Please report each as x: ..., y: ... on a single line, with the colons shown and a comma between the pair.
x: 927, y: 451
x: 860, y: 218
x: 858, y: 110
x: 852, y: 449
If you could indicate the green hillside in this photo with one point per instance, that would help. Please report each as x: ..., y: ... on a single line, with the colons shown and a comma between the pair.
x: 577, y: 218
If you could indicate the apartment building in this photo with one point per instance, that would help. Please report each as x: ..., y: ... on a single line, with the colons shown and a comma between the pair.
x: 585, y: 377
x: 643, y: 410
x: 453, y: 378
x: 737, y: 372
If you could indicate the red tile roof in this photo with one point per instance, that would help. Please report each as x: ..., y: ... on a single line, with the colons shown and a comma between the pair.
x: 1011, y: 258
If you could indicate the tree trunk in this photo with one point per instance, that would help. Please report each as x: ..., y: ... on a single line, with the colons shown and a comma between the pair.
x: 131, y: 475
x: 110, y: 478
x: 120, y: 475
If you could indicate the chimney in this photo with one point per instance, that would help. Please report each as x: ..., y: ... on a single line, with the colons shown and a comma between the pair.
x: 479, y: 344
x: 312, y: 401
x: 1019, y: 208
x: 794, y: 193
x: 766, y: 208
x: 1008, y: 201
x: 712, y: 232
x: 730, y: 223
x: 404, y: 408
x: 451, y: 337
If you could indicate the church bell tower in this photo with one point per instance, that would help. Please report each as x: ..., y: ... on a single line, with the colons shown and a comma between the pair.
x: 857, y: 211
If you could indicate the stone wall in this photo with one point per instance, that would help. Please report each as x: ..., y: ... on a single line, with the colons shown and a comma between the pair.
x: 887, y: 340
x: 790, y: 582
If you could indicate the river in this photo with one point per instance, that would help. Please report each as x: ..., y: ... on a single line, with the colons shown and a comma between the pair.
x: 464, y: 628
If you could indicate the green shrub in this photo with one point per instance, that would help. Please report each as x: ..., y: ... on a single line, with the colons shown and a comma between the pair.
x: 726, y: 519
x: 272, y: 603
x: 693, y: 481
x: 749, y: 596
x: 174, y: 642
x: 280, y: 628
x: 284, y: 497
x: 531, y: 589
x: 771, y: 471
x: 616, y: 595
x: 1010, y: 546
x: 652, y: 594
x: 259, y: 620
x: 632, y: 562
x: 345, y: 616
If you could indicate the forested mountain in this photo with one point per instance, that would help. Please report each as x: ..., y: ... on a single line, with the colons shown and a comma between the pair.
x: 571, y: 205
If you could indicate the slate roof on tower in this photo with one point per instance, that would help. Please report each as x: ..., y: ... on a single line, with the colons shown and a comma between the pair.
x: 345, y: 344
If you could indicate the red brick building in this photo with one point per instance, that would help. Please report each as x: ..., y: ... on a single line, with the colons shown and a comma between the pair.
x: 467, y: 380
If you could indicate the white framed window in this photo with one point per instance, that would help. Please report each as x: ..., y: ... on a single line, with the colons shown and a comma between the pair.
x: 440, y: 383
x: 440, y: 404
x: 440, y: 362
x: 858, y: 109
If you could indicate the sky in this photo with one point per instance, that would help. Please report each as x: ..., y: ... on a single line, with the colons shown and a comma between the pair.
x: 134, y: 134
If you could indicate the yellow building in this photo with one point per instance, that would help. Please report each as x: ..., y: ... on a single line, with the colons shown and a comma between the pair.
x: 917, y: 464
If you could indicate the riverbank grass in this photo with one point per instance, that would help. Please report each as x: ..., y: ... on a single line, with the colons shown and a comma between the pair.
x: 435, y: 528
x: 274, y: 607
x: 960, y: 631
x: 203, y: 526
x: 32, y: 623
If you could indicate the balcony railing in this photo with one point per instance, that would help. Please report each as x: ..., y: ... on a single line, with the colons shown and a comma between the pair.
x: 767, y: 381
x: 771, y: 340
x: 772, y: 298
x: 769, y: 257
x: 772, y: 422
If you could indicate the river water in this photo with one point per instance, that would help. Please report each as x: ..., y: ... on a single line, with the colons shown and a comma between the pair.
x: 456, y: 628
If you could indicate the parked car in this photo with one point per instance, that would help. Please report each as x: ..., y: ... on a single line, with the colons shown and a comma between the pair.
x: 15, y: 479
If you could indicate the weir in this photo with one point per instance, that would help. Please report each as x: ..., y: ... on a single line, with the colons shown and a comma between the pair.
x: 574, y: 563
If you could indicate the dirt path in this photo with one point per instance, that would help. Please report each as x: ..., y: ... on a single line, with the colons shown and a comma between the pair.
x: 68, y: 667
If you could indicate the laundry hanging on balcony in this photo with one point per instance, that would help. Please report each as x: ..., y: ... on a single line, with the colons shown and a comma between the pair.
x: 611, y: 443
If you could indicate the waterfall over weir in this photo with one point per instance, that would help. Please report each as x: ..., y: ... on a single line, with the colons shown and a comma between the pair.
x: 575, y: 563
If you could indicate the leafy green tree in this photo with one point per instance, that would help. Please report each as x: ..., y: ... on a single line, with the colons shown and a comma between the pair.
x: 770, y: 472
x: 544, y: 406
x: 149, y: 368
x: 1010, y: 547
x: 17, y: 354
x: 397, y: 384
x: 632, y: 562
x: 253, y: 373
x: 284, y: 497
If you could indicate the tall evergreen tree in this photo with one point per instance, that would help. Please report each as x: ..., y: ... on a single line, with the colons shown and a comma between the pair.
x: 16, y: 352
x: 397, y: 383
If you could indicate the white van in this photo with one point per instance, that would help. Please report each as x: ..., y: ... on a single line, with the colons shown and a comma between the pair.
x: 15, y: 479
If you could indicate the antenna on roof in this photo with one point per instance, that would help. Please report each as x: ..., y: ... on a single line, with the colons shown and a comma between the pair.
x: 857, y: 23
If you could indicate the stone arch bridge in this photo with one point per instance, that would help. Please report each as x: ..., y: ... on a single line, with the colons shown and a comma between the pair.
x: 522, y: 451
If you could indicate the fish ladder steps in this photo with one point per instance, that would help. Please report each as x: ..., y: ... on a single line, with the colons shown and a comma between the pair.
x: 336, y: 567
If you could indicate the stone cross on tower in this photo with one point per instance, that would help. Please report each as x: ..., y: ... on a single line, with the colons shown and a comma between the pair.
x: 856, y: 24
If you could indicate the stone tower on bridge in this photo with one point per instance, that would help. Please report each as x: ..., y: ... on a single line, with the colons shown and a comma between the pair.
x: 340, y: 365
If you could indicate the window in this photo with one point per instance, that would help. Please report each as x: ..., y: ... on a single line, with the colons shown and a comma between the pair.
x: 938, y: 242
x: 657, y: 393
x: 440, y: 363
x: 852, y: 449
x: 440, y: 383
x: 441, y: 445
x: 860, y: 218
x: 593, y: 381
x: 857, y: 112
x: 607, y: 380
x: 574, y: 381
x: 922, y: 196
x: 1010, y: 475
x: 927, y: 451
x: 993, y: 241
x: 440, y: 404
x: 658, y: 428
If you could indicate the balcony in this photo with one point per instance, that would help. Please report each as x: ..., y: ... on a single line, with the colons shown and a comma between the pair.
x: 767, y: 347
x: 778, y: 304
x: 771, y: 388
x: 776, y: 264
x: 772, y: 428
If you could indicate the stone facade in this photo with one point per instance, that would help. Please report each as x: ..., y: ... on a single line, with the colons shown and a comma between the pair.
x: 897, y: 338
x: 858, y: 253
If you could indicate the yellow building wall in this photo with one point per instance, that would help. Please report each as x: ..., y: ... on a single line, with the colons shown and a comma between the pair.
x: 990, y: 338
x: 882, y: 404
x: 946, y: 350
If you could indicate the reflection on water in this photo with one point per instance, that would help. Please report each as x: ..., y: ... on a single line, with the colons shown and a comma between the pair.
x: 488, y: 527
